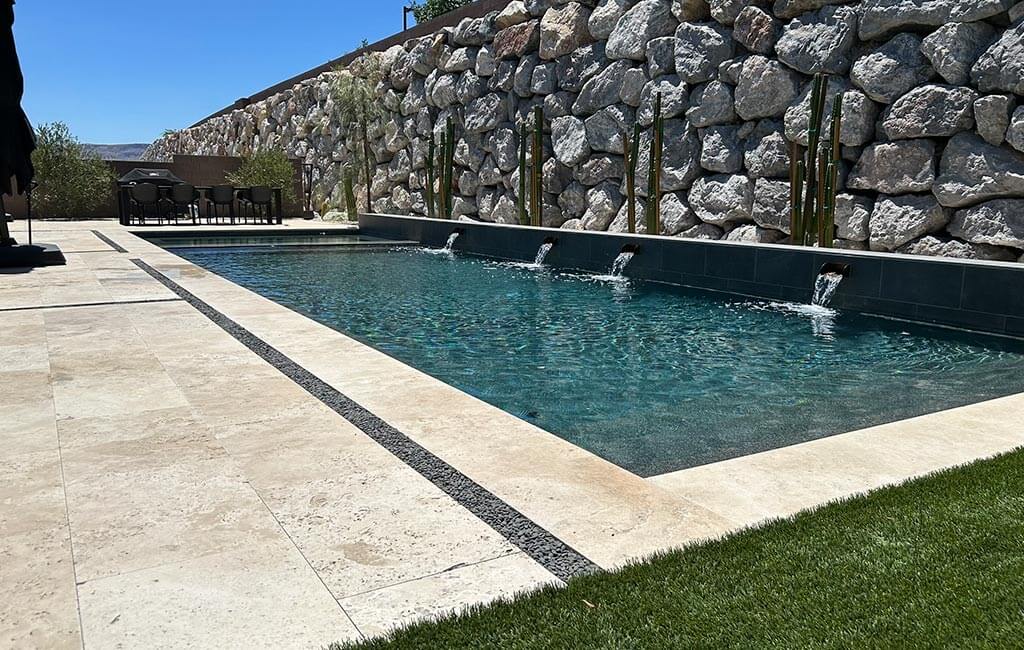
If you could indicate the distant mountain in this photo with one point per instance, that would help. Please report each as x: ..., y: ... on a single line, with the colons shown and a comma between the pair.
x: 117, y: 151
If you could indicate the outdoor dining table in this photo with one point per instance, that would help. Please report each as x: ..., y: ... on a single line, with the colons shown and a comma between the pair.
x: 124, y: 201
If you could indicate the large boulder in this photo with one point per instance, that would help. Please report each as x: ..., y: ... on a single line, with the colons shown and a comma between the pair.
x: 720, y: 150
x: 771, y: 204
x: 766, y: 88
x: 793, y: 8
x: 881, y: 17
x: 563, y: 30
x: 955, y: 47
x: 485, y: 113
x: 819, y: 42
x: 474, y: 31
x: 853, y: 213
x: 711, y: 103
x: 700, y: 49
x: 605, y: 127
x: 604, y: 16
x: 602, y: 89
x: 688, y: 11
x: 1015, y: 132
x: 895, y: 167
x: 569, y: 140
x: 674, y: 99
x: 931, y: 111
x: 603, y: 202
x: 721, y: 199
x: 971, y: 171
x: 676, y: 215
x: 766, y: 151
x: 1001, y: 66
x: 514, y: 13
x: 646, y: 20
x: 749, y: 232
x: 756, y: 30
x: 859, y: 113
x: 543, y: 81
x: 632, y: 88
x: 573, y: 200
x: 599, y: 168
x: 573, y: 70
x: 889, y: 71
x: 522, y: 78
x: 895, y: 220
x: 661, y: 56
x: 517, y: 41
x: 680, y: 164
x: 998, y: 223
x: 992, y: 117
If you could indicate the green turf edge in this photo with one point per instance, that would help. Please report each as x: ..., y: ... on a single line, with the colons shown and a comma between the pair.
x: 937, y: 561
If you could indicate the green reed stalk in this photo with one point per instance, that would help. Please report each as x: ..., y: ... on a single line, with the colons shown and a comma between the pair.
x: 449, y: 168
x: 631, y: 149
x: 524, y: 216
x: 538, y: 166
x: 654, y: 173
x: 431, y: 212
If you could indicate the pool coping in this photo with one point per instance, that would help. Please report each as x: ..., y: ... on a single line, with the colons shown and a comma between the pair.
x: 604, y: 512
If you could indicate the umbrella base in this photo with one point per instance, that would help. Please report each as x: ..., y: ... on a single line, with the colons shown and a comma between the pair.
x: 31, y: 256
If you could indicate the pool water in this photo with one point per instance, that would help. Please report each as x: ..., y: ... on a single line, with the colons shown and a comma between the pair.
x: 652, y: 377
x: 216, y: 241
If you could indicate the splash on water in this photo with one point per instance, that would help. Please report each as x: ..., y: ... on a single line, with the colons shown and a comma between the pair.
x: 825, y: 287
x: 447, y: 249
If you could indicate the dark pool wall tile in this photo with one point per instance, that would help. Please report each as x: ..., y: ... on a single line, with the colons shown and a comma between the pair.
x: 987, y: 297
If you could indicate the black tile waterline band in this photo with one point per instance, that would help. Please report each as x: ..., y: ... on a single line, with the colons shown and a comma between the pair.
x: 107, y: 303
x: 545, y: 548
x: 110, y: 242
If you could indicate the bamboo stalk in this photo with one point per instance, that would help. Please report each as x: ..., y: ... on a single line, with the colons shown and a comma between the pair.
x: 654, y: 172
x: 538, y: 166
x: 366, y: 155
x: 449, y: 166
x: 630, y: 148
x: 795, y: 190
x: 440, y: 186
x: 431, y: 212
x: 819, y: 215
x: 817, y: 108
x: 524, y: 217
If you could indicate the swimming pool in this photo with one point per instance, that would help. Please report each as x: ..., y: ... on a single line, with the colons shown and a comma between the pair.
x: 652, y: 377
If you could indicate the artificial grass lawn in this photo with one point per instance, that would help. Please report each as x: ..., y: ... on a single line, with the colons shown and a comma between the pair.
x: 938, y: 561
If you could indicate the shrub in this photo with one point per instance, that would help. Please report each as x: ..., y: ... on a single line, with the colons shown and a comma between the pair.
x: 430, y: 9
x: 72, y: 182
x: 270, y: 167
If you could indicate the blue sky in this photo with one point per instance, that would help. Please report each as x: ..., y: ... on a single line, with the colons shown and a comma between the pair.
x: 119, y: 71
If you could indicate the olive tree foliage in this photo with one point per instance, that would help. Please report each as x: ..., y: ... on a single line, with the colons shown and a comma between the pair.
x: 72, y: 182
x: 270, y: 167
x: 358, y: 109
x: 430, y: 9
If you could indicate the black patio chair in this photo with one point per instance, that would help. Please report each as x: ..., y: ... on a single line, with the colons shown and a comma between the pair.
x: 259, y: 201
x: 217, y: 198
x: 144, y: 200
x: 183, y: 200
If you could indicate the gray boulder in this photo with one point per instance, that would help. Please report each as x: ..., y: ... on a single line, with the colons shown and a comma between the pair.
x: 853, y: 214
x: 720, y: 199
x: 603, y: 202
x: 771, y: 204
x: 711, y: 103
x: 514, y: 13
x: 971, y: 171
x: 486, y: 64
x: 1001, y: 66
x: 997, y: 223
x: 504, y: 145
x: 895, y: 167
x: 558, y: 104
x: 646, y: 20
x: 599, y: 168
x: 469, y: 87
x: 888, y: 72
x: 633, y: 83
x: 881, y: 17
x: 702, y: 231
x: 522, y: 79
x: 573, y: 200
x: 896, y: 220
x: 543, y: 81
x: 661, y: 56
x: 485, y: 113
x: 1015, y: 132
x: 516, y: 41
x: 727, y: 11
x: 700, y: 48
x: 793, y: 8
x: 766, y: 88
x: 756, y: 30
x: 748, y: 232
x: 933, y: 246
x: 602, y: 89
x: 573, y: 70
x: 474, y: 31
x: 688, y: 11
x: 955, y: 47
x: 680, y: 158
x: 720, y: 151
x: 859, y: 114
x: 819, y: 42
x: 992, y: 117
x: 605, y: 127
x: 931, y: 111
x: 569, y: 140
x: 604, y: 16
x: 676, y: 215
x: 674, y: 99
x: 563, y: 30
x: 766, y: 151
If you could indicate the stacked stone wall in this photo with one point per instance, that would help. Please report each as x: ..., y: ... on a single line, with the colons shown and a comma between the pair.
x: 932, y: 132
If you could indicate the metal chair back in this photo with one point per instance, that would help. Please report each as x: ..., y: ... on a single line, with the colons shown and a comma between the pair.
x: 222, y: 194
x: 183, y: 193
x: 145, y: 193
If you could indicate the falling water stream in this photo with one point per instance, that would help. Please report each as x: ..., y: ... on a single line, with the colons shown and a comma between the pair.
x: 621, y: 262
x: 542, y: 252
x: 450, y: 243
x: 825, y: 287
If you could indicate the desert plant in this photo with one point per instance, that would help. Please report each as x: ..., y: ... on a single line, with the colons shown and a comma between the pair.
x: 814, y: 173
x: 72, y: 182
x: 350, y: 195
x: 356, y: 108
x: 429, y: 189
x: 654, y: 174
x: 430, y: 9
x: 524, y: 216
x: 536, y: 187
x: 631, y: 149
x: 270, y: 167
x: 446, y: 160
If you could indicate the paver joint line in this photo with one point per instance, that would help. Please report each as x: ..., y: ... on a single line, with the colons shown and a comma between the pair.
x: 107, y: 303
x: 110, y: 242
x: 545, y: 548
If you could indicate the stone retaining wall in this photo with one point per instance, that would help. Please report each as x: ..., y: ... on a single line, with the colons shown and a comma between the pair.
x: 933, y: 138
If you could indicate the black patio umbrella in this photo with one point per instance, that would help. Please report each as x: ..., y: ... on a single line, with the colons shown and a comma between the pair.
x: 17, y: 139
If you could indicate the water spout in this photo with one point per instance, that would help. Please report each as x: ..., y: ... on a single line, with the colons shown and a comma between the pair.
x: 451, y: 242
x: 623, y: 259
x: 825, y: 287
x: 543, y: 251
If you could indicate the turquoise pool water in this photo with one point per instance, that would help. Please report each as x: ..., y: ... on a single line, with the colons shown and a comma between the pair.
x: 651, y: 377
